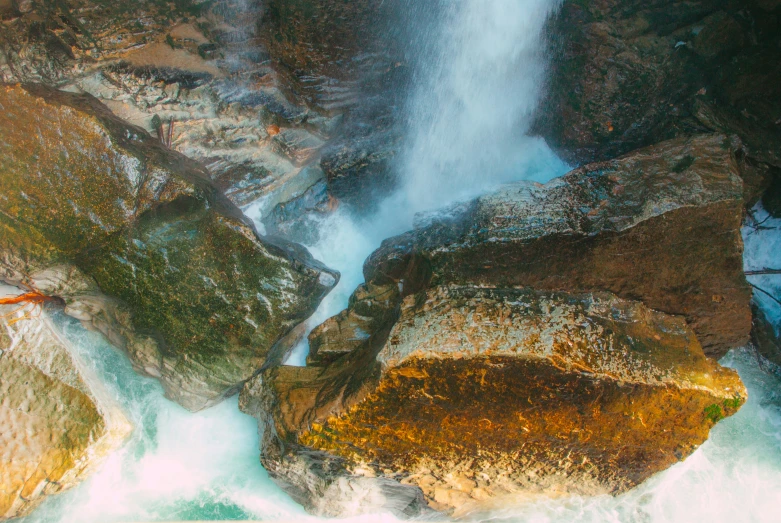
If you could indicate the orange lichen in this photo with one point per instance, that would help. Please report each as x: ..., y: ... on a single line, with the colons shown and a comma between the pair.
x: 522, y: 413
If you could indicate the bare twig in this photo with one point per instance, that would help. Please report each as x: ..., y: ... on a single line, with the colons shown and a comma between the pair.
x: 763, y: 291
x: 758, y: 272
x: 170, y: 133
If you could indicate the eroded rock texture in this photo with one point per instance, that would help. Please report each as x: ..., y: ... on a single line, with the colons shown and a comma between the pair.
x: 477, y: 393
x: 55, y: 422
x: 630, y: 74
x: 346, y: 58
x: 196, y: 75
x: 140, y: 243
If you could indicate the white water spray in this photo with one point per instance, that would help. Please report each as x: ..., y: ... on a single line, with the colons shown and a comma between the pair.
x: 479, y: 78
x: 479, y: 71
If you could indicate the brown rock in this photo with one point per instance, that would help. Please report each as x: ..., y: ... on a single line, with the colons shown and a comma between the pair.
x: 629, y: 74
x: 660, y: 225
x: 529, y: 391
x: 447, y: 366
x: 372, y: 307
x: 347, y: 58
x: 765, y: 337
x: 56, y: 423
x: 329, y: 47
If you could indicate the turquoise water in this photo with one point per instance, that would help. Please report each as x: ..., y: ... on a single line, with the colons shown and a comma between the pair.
x: 182, y: 466
x: 479, y: 86
x: 176, y: 465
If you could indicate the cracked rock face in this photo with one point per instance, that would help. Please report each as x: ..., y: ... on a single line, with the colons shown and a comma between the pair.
x: 626, y: 74
x: 193, y: 74
x: 141, y: 244
x: 478, y: 393
x: 56, y: 423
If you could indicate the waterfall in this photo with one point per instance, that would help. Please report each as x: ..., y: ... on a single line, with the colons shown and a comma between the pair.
x: 479, y: 70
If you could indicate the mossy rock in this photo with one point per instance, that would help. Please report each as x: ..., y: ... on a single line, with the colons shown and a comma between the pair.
x: 204, y: 296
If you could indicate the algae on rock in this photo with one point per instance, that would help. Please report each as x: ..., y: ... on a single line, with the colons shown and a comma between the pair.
x: 478, y: 393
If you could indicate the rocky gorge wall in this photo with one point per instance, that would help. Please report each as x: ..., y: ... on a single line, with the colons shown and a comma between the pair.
x: 630, y: 74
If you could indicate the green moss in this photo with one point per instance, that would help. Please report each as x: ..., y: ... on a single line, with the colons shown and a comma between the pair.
x: 193, y: 278
x: 144, y: 226
x: 713, y: 413
x: 733, y: 403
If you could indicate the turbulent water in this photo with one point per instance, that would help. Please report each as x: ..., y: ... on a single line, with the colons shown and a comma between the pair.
x: 478, y: 72
x: 183, y: 466
x: 478, y: 77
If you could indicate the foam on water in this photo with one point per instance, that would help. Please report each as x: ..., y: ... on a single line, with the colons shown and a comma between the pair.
x: 176, y: 466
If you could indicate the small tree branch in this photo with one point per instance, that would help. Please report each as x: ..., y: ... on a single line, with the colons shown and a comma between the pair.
x: 758, y: 272
x: 763, y: 291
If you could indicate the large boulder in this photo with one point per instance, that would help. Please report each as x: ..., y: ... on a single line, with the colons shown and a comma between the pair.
x: 56, y: 421
x: 660, y: 225
x: 476, y: 393
x: 141, y: 245
x: 525, y: 341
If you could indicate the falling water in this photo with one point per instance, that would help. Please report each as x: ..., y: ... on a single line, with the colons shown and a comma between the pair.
x: 478, y: 72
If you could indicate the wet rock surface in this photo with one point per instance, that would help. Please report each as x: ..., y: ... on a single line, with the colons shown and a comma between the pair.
x: 477, y: 393
x: 142, y: 246
x: 347, y: 59
x: 500, y: 346
x: 196, y: 75
x: 660, y: 225
x: 765, y: 337
x: 55, y: 424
